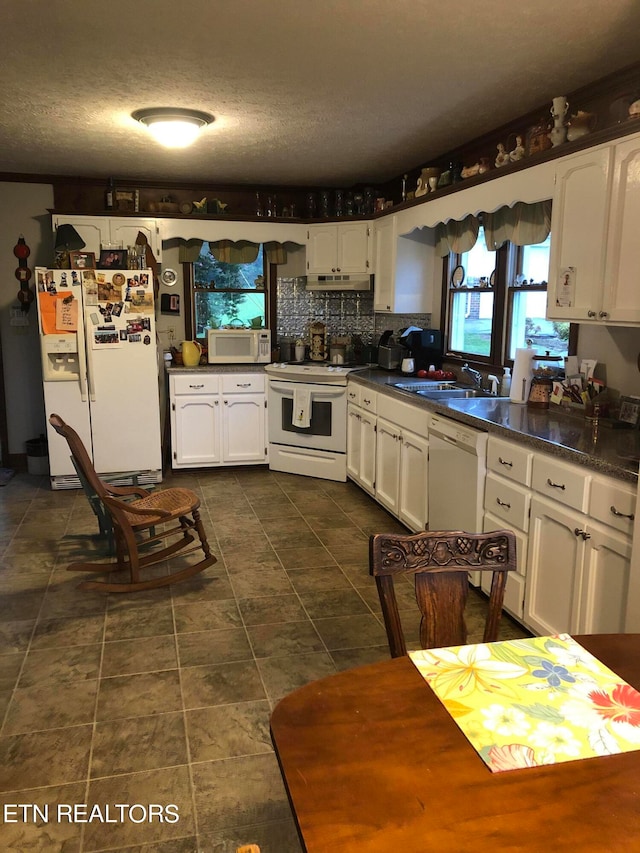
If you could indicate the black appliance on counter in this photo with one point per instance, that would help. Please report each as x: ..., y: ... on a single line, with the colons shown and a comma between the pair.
x: 425, y: 347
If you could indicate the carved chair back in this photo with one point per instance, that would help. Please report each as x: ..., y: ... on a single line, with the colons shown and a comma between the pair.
x: 440, y: 562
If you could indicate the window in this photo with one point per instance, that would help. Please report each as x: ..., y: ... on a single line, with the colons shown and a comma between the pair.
x: 228, y: 294
x: 527, y: 304
x: 496, y: 302
x: 471, y: 301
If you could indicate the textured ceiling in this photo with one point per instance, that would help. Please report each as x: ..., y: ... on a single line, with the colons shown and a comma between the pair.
x: 304, y: 92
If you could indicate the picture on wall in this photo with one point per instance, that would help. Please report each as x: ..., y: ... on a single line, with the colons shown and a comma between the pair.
x: 169, y: 303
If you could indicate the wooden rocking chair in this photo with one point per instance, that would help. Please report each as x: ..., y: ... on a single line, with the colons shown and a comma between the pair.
x: 134, y: 522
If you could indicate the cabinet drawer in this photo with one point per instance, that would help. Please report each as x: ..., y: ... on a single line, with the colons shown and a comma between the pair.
x: 507, y: 501
x: 405, y: 415
x: 353, y: 393
x: 613, y: 503
x: 509, y: 460
x: 195, y: 383
x: 561, y: 481
x: 242, y: 383
x: 368, y: 400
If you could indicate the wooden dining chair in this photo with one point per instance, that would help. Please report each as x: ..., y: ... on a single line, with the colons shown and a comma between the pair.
x: 135, y: 514
x: 439, y: 562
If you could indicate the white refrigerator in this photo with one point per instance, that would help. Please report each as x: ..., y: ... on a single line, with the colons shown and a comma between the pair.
x: 100, y: 370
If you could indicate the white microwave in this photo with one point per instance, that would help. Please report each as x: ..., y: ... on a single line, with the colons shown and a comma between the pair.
x: 239, y: 346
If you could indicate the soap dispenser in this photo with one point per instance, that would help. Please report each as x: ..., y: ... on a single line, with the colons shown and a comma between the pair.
x: 505, y: 385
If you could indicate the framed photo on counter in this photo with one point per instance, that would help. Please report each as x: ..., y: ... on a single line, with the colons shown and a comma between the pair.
x: 629, y: 410
x: 113, y: 259
x: 82, y: 260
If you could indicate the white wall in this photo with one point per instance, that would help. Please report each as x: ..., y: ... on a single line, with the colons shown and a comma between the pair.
x: 616, y: 350
x: 23, y: 210
x: 170, y: 328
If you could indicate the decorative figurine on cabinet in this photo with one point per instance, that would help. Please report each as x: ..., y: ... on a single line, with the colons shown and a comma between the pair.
x: 518, y: 151
x: 502, y: 158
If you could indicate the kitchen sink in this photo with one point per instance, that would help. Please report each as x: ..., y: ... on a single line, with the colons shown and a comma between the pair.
x: 418, y: 386
x: 441, y: 390
x: 452, y: 393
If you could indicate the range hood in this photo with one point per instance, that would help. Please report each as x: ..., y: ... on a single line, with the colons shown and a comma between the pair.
x: 339, y: 282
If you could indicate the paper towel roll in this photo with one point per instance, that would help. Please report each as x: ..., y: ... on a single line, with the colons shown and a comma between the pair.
x: 522, y: 375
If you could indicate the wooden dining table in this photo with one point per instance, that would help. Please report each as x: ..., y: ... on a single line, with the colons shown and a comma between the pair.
x: 372, y: 761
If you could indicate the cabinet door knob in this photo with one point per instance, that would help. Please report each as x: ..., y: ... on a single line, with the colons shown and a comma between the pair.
x: 555, y: 485
x: 591, y: 313
x: 618, y: 514
x: 582, y: 533
x: 603, y: 314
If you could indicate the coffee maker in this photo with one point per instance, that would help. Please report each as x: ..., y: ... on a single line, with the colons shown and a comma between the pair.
x: 425, y: 347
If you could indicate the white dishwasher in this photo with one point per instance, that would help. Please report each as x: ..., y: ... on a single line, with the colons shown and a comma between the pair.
x: 457, y: 469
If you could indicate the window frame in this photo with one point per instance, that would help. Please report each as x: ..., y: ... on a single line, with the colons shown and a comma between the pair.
x: 508, y: 261
x: 271, y: 279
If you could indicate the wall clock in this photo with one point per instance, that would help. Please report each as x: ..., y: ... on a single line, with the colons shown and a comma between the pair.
x: 169, y: 277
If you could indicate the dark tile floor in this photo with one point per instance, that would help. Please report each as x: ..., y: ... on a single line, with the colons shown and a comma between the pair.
x: 164, y: 697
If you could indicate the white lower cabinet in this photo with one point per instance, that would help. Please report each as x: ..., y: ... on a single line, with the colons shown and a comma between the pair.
x: 388, y: 465
x: 389, y: 458
x: 507, y: 502
x: 217, y: 419
x: 577, y: 574
x: 361, y: 447
x: 414, y: 464
x: 515, y: 587
x: 402, y: 460
x: 243, y: 429
x: 556, y: 550
x: 605, y: 581
x: 195, y: 433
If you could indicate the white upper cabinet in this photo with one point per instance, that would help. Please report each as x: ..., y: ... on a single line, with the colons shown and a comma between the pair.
x: 98, y: 231
x: 578, y: 236
x: 595, y: 251
x: 622, y: 272
x: 404, y: 269
x: 339, y: 249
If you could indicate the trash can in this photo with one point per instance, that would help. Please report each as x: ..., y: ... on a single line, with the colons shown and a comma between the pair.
x: 37, y: 456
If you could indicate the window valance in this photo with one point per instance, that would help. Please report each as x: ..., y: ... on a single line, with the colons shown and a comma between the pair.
x: 523, y: 224
x: 233, y: 252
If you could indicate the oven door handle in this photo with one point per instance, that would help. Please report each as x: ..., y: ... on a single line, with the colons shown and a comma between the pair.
x: 317, y: 391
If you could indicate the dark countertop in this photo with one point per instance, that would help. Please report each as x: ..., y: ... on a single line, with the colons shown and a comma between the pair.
x: 216, y: 368
x: 613, y: 452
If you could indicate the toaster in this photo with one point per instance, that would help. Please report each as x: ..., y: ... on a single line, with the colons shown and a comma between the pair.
x: 390, y: 356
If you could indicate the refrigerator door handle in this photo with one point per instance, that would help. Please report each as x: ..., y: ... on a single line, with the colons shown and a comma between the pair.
x: 92, y: 388
x: 82, y: 362
x: 88, y: 359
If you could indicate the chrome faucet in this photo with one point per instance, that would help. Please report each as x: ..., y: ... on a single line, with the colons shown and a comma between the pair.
x: 474, y: 374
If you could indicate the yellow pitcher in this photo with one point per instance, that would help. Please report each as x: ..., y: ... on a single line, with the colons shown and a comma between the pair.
x: 191, y: 352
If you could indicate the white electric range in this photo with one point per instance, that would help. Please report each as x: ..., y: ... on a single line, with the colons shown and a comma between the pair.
x: 307, y: 412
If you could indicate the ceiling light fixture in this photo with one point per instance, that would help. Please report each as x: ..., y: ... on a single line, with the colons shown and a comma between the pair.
x: 173, y: 127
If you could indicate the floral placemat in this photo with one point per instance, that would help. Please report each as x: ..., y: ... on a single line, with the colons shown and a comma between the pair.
x: 543, y: 700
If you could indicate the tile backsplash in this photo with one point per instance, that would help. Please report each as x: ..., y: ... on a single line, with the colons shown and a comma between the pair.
x: 344, y: 312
